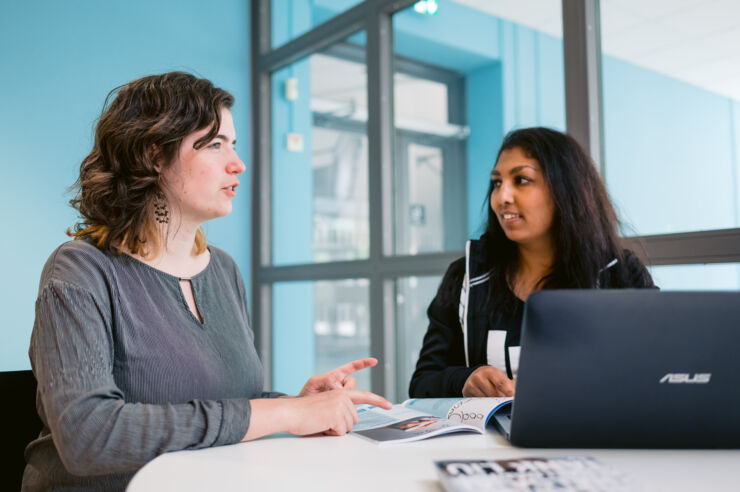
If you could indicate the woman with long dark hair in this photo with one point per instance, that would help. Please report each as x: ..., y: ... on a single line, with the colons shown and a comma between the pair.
x: 550, y: 226
x: 141, y: 343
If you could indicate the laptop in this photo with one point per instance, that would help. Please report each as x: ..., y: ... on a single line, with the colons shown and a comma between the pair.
x: 627, y: 369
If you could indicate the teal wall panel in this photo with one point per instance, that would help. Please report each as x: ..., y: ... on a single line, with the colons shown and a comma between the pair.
x: 484, y: 107
x: 59, y: 60
x: 668, y: 151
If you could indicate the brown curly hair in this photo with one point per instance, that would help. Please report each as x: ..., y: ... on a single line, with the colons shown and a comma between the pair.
x: 138, y: 134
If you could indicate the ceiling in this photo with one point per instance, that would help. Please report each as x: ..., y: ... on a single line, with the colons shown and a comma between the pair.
x: 696, y: 41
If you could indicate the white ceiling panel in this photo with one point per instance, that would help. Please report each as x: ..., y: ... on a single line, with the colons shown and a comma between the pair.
x: 653, y: 9
x: 640, y: 41
x: 718, y: 71
x: 701, y: 20
x: 686, y: 53
x: 728, y: 86
x: 620, y: 19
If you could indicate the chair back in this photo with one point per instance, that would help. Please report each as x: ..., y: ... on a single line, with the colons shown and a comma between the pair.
x: 21, y: 424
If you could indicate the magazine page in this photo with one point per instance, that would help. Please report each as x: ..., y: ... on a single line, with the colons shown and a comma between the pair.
x: 471, y: 411
x: 414, y: 429
x: 372, y: 416
x: 562, y: 474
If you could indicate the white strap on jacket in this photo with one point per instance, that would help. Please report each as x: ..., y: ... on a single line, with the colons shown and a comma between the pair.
x: 462, y: 312
x: 464, y: 301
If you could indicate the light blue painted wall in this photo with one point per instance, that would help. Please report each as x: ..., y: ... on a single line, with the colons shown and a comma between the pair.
x: 484, y: 106
x: 669, y: 150
x: 459, y: 38
x: 550, y: 82
x: 59, y: 60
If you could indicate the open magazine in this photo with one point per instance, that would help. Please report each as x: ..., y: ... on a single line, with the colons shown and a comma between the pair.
x: 420, y: 418
x: 562, y: 474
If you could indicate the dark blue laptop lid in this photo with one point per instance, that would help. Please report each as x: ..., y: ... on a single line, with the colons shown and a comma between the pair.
x: 629, y: 368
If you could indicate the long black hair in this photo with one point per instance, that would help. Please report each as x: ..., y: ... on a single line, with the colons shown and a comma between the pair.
x: 585, y: 227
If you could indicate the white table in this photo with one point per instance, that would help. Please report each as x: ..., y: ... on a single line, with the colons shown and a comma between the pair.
x: 350, y: 463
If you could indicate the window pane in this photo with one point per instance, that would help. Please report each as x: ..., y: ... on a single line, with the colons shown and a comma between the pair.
x: 318, y: 326
x: 319, y: 159
x: 716, y: 276
x: 291, y: 18
x: 671, y: 91
x: 464, y: 78
x: 421, y: 228
x: 417, y: 100
x: 413, y: 297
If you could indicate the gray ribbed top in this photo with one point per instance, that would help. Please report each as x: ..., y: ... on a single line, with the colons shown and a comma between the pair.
x: 126, y: 372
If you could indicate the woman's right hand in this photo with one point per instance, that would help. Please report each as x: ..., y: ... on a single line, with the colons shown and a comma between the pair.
x: 329, y: 412
x: 488, y: 381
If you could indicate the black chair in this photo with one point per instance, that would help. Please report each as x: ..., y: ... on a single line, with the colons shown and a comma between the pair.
x: 21, y: 424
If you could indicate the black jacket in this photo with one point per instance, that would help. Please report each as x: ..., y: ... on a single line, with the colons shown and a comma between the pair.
x: 450, y: 353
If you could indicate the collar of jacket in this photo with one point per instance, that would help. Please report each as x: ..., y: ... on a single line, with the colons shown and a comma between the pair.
x: 475, y: 261
x: 477, y: 268
x: 478, y: 272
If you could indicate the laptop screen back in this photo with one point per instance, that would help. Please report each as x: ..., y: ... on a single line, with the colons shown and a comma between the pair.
x: 629, y: 368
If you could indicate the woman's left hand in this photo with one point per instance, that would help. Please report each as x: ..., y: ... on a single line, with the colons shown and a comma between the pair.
x: 337, y: 378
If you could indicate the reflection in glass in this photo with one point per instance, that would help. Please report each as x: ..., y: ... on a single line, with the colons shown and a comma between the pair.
x: 340, y: 199
x: 412, y: 300
x: 429, y: 186
x: 418, y: 100
x: 319, y: 166
x: 318, y: 326
x: 421, y: 229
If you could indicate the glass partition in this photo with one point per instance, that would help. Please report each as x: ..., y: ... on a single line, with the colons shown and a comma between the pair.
x: 413, y: 295
x: 318, y: 326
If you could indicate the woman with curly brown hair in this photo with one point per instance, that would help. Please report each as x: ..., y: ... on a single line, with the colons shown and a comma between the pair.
x: 141, y: 343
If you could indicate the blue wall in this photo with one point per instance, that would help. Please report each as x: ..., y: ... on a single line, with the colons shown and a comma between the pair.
x: 671, y: 151
x: 487, y: 132
x: 59, y: 60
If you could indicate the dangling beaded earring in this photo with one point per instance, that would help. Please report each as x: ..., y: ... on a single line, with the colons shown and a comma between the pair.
x: 161, y: 214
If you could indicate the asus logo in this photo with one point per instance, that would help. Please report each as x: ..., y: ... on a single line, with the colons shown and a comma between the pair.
x: 683, y: 378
